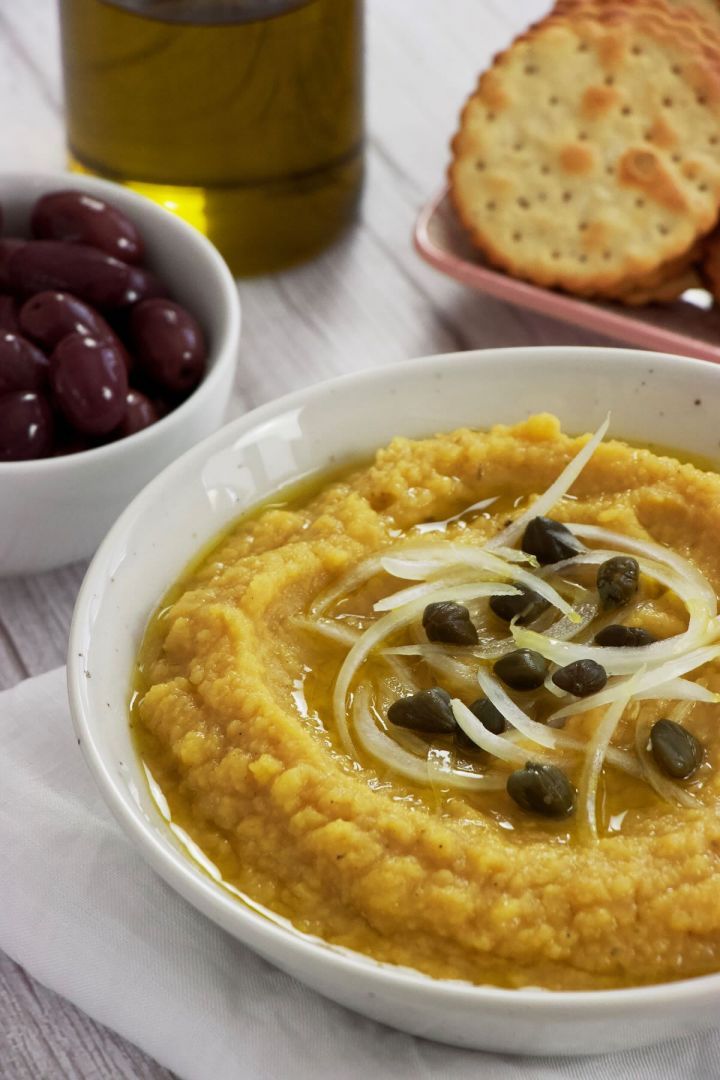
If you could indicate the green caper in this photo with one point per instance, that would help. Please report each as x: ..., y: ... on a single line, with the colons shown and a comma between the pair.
x: 542, y: 789
x: 617, y: 580
x: 581, y: 678
x: 490, y: 717
x: 523, y: 606
x: 625, y: 637
x: 676, y: 750
x: 521, y: 669
x: 428, y: 711
x: 548, y: 541
x: 449, y: 622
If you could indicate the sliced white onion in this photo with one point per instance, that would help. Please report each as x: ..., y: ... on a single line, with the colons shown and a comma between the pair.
x: 516, y: 718
x: 513, y: 555
x: 657, y: 677
x: 615, y: 659
x: 479, y: 734
x: 679, y: 690
x: 333, y: 631
x: 651, y: 550
x: 595, y: 755
x: 347, y: 584
x: 563, y: 629
x: 421, y: 563
x: 379, y: 631
x: 448, y: 581
x: 667, y: 789
x: 620, y: 759
x: 443, y: 774
x: 560, y: 487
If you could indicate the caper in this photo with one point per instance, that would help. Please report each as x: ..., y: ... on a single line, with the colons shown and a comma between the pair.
x: 581, y: 678
x: 624, y: 636
x: 542, y: 789
x: 617, y: 580
x: 427, y: 711
x: 449, y: 622
x: 490, y: 718
x: 523, y: 606
x: 676, y: 750
x: 548, y: 541
x: 521, y: 669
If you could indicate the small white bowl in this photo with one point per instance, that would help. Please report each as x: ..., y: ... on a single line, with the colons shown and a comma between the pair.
x: 655, y: 399
x: 56, y: 510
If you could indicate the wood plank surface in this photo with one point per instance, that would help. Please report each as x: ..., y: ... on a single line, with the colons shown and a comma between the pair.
x: 368, y: 301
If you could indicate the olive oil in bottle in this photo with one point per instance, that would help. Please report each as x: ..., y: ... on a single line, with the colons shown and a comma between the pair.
x: 243, y: 116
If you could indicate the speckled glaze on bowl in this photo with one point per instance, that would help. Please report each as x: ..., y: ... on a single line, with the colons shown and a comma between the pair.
x: 56, y: 510
x: 654, y: 398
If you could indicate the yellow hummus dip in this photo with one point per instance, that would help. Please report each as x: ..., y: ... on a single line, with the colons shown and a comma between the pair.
x: 234, y: 720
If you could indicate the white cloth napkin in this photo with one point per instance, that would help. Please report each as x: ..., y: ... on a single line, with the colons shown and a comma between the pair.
x: 81, y: 911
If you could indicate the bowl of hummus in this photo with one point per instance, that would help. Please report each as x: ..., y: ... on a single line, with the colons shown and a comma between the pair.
x: 411, y: 682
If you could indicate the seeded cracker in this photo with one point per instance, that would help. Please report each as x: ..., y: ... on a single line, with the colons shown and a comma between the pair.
x: 589, y: 156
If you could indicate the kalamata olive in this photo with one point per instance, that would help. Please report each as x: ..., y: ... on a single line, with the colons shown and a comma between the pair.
x: 50, y: 316
x: 9, y: 314
x: 521, y: 669
x: 169, y: 344
x: 89, y: 381
x: 548, y: 541
x: 22, y: 365
x: 675, y: 749
x: 581, y: 678
x: 140, y: 412
x: 26, y: 426
x: 524, y: 606
x: 542, y: 789
x: 428, y: 711
x: 8, y: 248
x: 79, y: 218
x: 143, y: 285
x: 617, y: 580
x: 490, y: 717
x: 449, y: 622
x: 95, y: 277
x: 624, y: 637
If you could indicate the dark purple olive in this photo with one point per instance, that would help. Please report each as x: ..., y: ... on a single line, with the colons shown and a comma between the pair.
x: 50, y: 316
x: 22, y: 365
x: 89, y: 380
x: 8, y: 248
x: 143, y: 285
x: 9, y: 314
x: 78, y: 218
x: 170, y: 346
x: 26, y: 427
x: 140, y: 413
x: 90, y: 274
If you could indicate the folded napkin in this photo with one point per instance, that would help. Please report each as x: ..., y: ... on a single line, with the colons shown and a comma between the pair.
x: 83, y: 914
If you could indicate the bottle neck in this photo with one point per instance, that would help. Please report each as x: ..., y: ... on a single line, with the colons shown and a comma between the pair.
x: 210, y: 12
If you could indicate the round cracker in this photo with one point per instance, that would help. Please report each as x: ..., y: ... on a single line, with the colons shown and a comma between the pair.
x: 589, y: 154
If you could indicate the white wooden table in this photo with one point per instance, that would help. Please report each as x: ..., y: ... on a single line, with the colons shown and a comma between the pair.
x: 368, y: 301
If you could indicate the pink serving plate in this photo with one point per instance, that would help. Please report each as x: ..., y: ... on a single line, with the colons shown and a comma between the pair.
x: 690, y: 326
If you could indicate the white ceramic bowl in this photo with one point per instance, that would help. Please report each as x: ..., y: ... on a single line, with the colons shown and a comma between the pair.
x: 654, y: 398
x: 56, y: 510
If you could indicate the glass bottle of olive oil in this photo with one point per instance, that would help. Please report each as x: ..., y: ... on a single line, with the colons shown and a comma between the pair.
x: 243, y: 116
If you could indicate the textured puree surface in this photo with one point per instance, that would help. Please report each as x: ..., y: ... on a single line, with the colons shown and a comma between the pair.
x: 232, y: 716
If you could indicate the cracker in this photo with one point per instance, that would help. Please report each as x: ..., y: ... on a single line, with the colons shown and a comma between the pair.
x: 589, y: 155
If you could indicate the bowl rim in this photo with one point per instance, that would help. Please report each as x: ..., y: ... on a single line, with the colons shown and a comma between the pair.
x: 229, y: 317
x: 208, y: 896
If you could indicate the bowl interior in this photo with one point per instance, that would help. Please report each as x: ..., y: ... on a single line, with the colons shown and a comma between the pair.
x: 653, y: 398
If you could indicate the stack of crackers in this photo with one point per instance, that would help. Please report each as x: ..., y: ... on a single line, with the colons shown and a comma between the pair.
x: 588, y: 158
